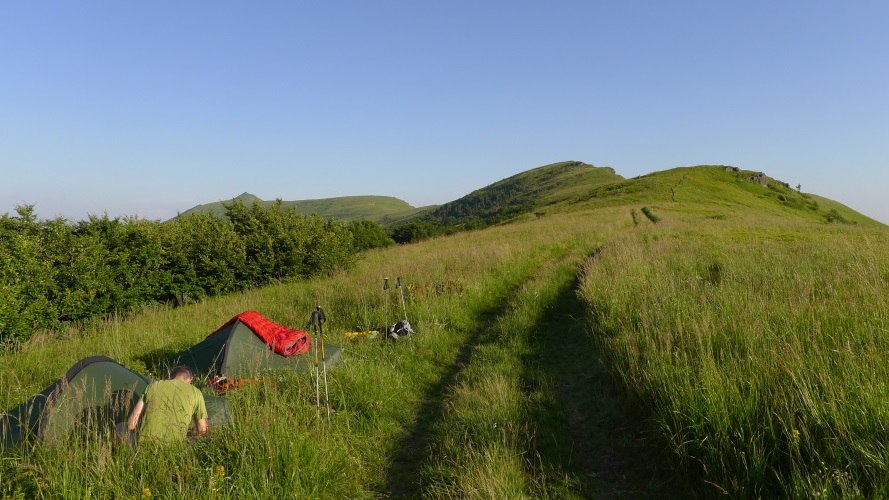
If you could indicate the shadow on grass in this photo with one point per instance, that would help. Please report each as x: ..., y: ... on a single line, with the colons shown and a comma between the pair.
x: 157, y: 361
x: 404, y: 478
x: 591, y: 440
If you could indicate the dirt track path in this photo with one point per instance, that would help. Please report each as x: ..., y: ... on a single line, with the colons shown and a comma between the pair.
x: 608, y: 448
x: 588, y: 440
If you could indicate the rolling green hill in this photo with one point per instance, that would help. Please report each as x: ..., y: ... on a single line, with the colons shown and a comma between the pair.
x: 710, y: 191
x: 715, y: 191
x: 344, y: 208
x: 718, y: 191
x: 522, y: 193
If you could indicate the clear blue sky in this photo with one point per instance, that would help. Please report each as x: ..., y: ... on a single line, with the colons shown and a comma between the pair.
x: 149, y: 108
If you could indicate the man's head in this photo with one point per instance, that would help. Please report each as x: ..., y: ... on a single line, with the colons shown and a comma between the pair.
x: 182, y: 373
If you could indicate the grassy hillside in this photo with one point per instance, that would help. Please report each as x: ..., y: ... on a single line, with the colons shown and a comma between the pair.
x: 345, y: 208
x: 714, y: 191
x: 736, y: 347
x: 522, y: 193
x: 717, y: 191
x: 572, y: 185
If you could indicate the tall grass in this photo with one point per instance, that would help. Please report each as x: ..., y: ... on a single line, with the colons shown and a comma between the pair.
x: 485, y: 444
x: 754, y: 352
x: 380, y: 394
x: 761, y: 352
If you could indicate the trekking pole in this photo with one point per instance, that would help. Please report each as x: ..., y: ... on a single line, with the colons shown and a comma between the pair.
x: 403, y: 308
x: 386, y: 296
x: 313, y: 322
x: 321, y: 319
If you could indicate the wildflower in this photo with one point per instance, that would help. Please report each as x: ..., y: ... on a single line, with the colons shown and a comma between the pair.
x: 146, y: 492
x: 795, y: 434
x: 220, y: 471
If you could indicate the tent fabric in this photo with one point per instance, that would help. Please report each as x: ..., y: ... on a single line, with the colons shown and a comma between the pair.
x: 284, y: 341
x: 234, y: 351
x: 23, y: 421
x: 92, y: 396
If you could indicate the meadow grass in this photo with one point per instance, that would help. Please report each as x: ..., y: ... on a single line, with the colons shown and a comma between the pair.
x: 383, y: 397
x: 555, y: 357
x: 762, y: 352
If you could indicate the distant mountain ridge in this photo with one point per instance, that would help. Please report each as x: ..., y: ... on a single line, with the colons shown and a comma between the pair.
x: 717, y: 191
x: 344, y: 208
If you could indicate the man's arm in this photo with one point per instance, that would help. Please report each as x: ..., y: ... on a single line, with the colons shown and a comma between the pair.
x: 200, y: 414
x: 133, y: 421
x: 202, y: 427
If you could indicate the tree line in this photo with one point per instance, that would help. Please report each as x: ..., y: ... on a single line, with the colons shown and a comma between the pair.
x: 54, y: 272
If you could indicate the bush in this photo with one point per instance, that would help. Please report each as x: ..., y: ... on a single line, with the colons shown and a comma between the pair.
x: 651, y: 215
x: 281, y: 243
x: 413, y: 232
x: 53, y: 272
x: 368, y: 234
x: 26, y: 278
x: 205, y: 257
x: 835, y: 216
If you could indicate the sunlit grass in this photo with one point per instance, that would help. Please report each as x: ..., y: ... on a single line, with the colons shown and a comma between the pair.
x: 763, y: 354
x: 757, y: 349
x: 276, y: 445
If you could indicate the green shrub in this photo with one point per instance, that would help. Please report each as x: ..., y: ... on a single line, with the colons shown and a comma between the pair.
x: 54, y: 271
x: 26, y: 278
x: 413, y: 232
x: 835, y: 216
x: 651, y: 215
x: 367, y: 234
x: 204, y: 258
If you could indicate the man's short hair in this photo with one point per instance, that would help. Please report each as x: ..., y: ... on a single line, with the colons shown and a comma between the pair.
x: 181, y: 371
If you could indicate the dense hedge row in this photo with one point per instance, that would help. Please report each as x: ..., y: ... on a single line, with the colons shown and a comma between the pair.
x: 55, y: 271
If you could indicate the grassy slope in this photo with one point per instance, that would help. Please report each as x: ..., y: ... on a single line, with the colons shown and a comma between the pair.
x: 710, y: 191
x: 525, y: 192
x: 715, y: 191
x: 345, y: 208
x: 514, y: 387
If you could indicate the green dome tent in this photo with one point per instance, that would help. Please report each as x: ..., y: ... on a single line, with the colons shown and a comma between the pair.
x: 248, y: 345
x: 94, y: 395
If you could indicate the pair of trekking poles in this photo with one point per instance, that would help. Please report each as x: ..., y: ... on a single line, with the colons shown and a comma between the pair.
x: 403, y: 308
x: 316, y: 322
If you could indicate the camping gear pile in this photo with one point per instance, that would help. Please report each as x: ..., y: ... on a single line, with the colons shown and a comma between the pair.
x: 400, y: 329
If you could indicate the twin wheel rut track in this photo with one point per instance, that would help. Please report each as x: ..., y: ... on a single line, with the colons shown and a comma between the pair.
x: 592, y: 442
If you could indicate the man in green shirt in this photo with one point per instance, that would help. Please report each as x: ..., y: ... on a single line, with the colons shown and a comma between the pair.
x: 169, y: 407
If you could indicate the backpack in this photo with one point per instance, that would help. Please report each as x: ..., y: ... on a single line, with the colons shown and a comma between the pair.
x: 400, y: 329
